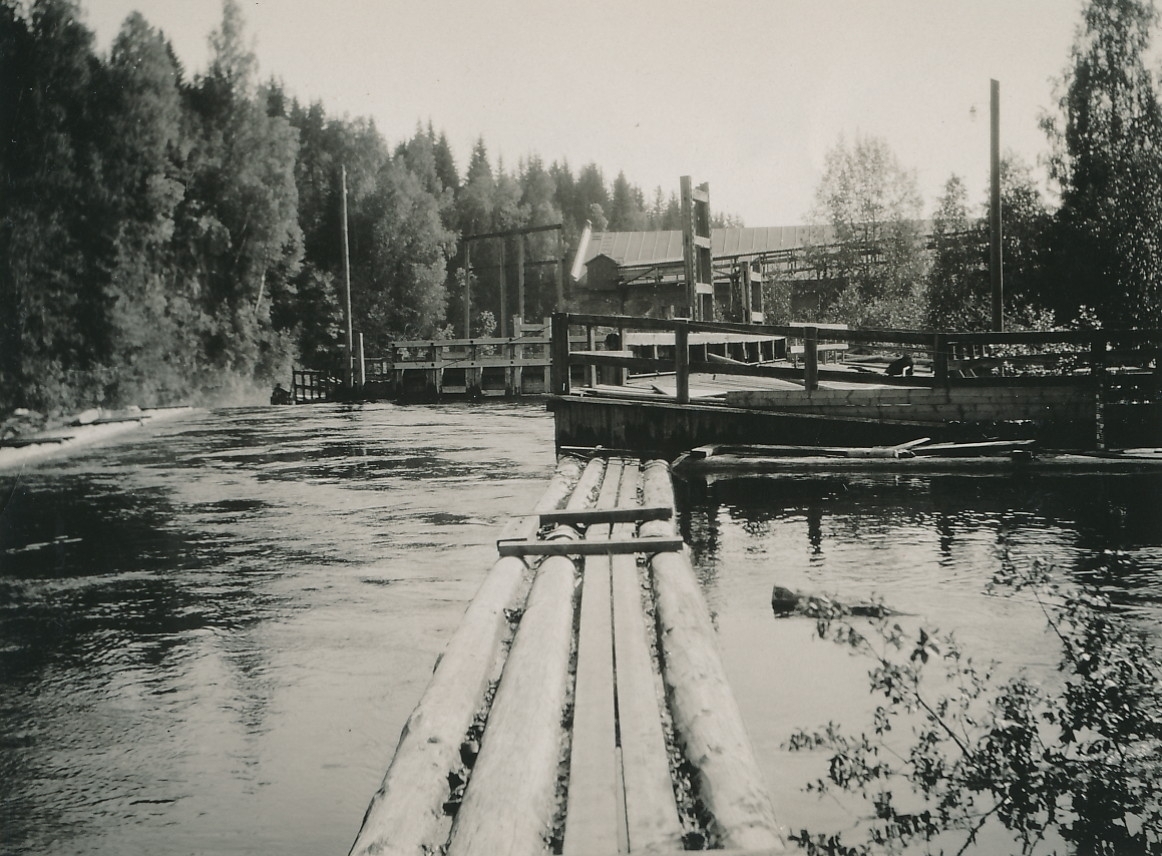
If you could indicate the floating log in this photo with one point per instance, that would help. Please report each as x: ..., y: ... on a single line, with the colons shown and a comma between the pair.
x: 510, y: 799
x: 509, y: 802
x: 902, y: 450
x: 407, y: 809
x: 621, y: 796
x: 968, y: 450
x: 706, y: 717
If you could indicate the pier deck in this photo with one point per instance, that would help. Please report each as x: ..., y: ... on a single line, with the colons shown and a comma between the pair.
x: 581, y: 706
x: 1075, y: 390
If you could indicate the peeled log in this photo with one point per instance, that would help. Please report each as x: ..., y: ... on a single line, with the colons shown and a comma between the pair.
x: 511, y: 796
x: 705, y: 714
x: 407, y: 810
x: 651, y: 811
x: 509, y: 802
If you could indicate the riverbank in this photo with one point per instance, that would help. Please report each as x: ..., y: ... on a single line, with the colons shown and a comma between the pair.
x: 82, y: 430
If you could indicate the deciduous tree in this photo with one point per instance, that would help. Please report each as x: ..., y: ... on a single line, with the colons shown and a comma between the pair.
x: 877, y: 262
x: 1107, y: 162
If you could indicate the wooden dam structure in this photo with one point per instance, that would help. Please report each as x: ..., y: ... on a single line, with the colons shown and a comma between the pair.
x: 433, y: 369
x: 581, y: 706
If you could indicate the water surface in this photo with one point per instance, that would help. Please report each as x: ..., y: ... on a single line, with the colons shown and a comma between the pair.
x: 212, y: 630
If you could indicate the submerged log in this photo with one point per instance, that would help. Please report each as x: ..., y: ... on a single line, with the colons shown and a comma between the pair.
x: 407, y: 809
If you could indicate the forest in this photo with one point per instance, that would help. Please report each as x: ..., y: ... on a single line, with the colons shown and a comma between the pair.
x: 167, y: 237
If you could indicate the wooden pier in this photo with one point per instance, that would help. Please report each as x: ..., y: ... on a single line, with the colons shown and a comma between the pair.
x: 581, y: 706
x: 1091, y: 389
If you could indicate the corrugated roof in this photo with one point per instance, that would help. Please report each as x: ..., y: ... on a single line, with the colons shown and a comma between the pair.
x: 639, y: 248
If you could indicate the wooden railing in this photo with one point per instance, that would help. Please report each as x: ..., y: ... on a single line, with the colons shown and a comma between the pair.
x: 1116, y: 359
x: 483, y: 366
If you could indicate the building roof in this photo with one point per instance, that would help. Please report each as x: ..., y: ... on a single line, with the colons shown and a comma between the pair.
x: 629, y: 249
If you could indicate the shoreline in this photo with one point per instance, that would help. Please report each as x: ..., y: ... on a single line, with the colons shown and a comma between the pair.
x: 65, y: 438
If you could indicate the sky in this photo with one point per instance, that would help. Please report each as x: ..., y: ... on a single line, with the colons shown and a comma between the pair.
x: 748, y: 95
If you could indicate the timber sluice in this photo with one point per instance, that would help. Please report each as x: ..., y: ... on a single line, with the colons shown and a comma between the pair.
x: 581, y: 706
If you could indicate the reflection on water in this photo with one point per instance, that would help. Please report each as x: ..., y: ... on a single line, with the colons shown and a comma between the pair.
x: 212, y: 632
x: 211, y: 635
x: 927, y: 546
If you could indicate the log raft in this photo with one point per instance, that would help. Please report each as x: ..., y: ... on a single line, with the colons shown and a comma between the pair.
x: 586, y: 673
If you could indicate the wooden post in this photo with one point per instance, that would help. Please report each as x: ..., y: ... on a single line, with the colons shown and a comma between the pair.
x: 756, y: 308
x: 811, y: 358
x: 689, y: 267
x: 623, y: 374
x: 502, y: 320
x: 591, y: 346
x: 939, y: 360
x: 560, y: 307
x: 682, y: 361
x: 347, y: 373
x: 362, y: 362
x: 559, y: 354
x: 518, y: 353
x: 520, y: 280
x: 467, y: 290
x: 1097, y: 367
x: 996, y: 274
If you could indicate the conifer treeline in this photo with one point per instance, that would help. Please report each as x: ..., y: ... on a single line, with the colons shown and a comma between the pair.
x: 166, y: 237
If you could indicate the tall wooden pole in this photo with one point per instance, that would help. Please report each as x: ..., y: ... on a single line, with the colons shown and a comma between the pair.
x: 560, y: 307
x: 520, y: 279
x: 502, y: 324
x: 996, y: 271
x: 467, y: 290
x: 690, y: 266
x: 348, y: 378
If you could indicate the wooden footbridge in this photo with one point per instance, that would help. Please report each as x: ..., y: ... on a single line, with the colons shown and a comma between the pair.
x: 581, y: 706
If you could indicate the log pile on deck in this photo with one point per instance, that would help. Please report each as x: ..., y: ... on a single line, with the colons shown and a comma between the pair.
x: 581, y: 706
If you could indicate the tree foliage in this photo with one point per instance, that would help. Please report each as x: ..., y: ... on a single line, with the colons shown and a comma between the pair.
x: 1078, y: 763
x: 874, y: 262
x: 959, y: 290
x: 165, y: 237
x: 1107, y: 161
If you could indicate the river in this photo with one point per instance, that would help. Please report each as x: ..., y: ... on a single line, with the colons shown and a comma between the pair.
x: 213, y: 629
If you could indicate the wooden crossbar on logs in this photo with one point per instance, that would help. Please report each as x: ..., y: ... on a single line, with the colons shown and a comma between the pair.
x: 607, y: 683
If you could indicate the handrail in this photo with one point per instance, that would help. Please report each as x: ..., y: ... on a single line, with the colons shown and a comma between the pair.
x: 868, y: 336
x: 949, y: 350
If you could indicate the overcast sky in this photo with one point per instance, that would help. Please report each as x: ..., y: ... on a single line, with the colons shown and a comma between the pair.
x: 745, y: 94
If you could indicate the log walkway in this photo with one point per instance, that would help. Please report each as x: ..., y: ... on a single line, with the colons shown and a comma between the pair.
x: 581, y: 706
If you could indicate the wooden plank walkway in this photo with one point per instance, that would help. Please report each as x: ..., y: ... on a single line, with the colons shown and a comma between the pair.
x: 590, y: 657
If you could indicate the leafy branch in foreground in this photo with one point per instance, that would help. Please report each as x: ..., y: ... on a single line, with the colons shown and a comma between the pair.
x: 954, y: 749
